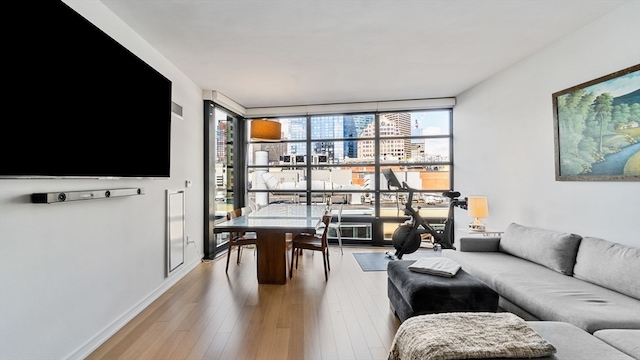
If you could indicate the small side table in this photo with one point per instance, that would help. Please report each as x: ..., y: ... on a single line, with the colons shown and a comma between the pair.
x: 485, y: 232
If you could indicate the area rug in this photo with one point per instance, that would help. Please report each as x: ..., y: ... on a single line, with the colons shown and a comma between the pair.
x: 377, y: 261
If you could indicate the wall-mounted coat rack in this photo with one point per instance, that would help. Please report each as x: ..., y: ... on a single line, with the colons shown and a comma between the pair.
x: 65, y: 196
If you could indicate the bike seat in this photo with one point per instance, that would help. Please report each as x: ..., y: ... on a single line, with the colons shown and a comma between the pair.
x: 451, y: 194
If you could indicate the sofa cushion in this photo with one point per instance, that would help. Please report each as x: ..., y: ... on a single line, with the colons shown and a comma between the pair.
x: 572, y: 343
x: 549, y: 295
x: 553, y: 249
x: 610, y: 265
x: 627, y: 341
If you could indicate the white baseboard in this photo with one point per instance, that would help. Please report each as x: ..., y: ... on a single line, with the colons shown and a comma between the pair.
x: 92, y: 344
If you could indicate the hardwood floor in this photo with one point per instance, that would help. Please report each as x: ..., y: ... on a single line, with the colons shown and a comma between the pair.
x: 211, y: 315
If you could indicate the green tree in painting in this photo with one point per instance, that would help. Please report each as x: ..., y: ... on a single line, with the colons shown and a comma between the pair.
x: 603, y: 108
x: 587, y: 149
x: 634, y: 112
x: 573, y: 109
x: 620, y: 115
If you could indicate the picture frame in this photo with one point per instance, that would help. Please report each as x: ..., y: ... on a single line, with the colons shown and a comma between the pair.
x: 597, y: 129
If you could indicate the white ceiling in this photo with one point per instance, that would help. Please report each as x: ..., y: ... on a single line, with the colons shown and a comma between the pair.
x: 303, y: 52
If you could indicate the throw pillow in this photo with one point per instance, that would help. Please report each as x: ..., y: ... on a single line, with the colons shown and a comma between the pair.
x: 610, y: 265
x: 553, y: 249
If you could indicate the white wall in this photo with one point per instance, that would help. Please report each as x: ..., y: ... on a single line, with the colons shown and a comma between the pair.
x: 504, y: 144
x: 72, y: 273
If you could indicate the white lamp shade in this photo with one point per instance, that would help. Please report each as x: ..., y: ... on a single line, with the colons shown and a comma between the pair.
x: 478, y: 206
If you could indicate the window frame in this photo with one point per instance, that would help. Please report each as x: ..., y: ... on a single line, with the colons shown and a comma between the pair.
x: 377, y: 220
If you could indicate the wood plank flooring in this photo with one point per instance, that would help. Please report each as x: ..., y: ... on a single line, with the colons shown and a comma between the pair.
x: 212, y: 315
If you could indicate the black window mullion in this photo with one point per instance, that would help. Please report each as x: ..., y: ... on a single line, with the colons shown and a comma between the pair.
x: 308, y: 162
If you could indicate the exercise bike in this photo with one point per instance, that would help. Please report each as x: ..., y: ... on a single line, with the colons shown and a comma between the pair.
x: 408, y: 236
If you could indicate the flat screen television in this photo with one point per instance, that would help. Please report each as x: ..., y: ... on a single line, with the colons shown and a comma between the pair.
x: 79, y: 103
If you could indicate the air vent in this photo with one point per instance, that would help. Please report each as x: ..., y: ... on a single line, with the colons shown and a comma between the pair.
x: 176, y: 109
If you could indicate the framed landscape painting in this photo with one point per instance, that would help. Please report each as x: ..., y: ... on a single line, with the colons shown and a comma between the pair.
x: 597, y: 129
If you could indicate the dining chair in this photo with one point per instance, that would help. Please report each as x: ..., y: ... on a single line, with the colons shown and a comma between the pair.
x: 237, y: 239
x: 336, y: 226
x: 315, y: 242
x: 246, y: 210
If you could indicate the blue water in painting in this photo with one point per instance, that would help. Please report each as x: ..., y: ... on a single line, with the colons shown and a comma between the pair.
x: 614, y: 164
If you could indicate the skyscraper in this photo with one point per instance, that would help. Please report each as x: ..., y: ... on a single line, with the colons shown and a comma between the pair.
x: 353, y: 127
x: 391, y: 125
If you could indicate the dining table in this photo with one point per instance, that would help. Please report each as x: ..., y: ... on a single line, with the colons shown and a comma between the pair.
x: 271, y: 224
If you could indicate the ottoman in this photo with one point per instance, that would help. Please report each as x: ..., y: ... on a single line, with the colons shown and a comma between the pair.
x: 456, y: 337
x: 411, y: 293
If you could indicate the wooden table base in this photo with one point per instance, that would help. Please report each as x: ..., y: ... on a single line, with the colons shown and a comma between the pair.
x: 272, y: 257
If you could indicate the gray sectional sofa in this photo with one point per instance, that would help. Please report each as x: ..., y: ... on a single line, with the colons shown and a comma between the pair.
x: 547, y: 275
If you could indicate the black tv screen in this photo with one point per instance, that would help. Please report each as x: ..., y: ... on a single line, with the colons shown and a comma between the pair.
x: 80, y: 104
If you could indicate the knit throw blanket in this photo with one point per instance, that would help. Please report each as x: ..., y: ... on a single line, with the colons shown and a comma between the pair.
x: 467, y: 336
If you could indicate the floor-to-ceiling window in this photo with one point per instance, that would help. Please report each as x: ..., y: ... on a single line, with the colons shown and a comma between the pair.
x: 338, y: 159
x: 222, y: 193
x: 417, y: 146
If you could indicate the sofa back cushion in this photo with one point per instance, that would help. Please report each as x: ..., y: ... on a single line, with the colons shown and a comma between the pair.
x: 610, y: 265
x: 552, y: 249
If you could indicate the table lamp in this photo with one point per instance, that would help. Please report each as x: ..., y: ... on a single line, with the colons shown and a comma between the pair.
x: 478, y: 208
